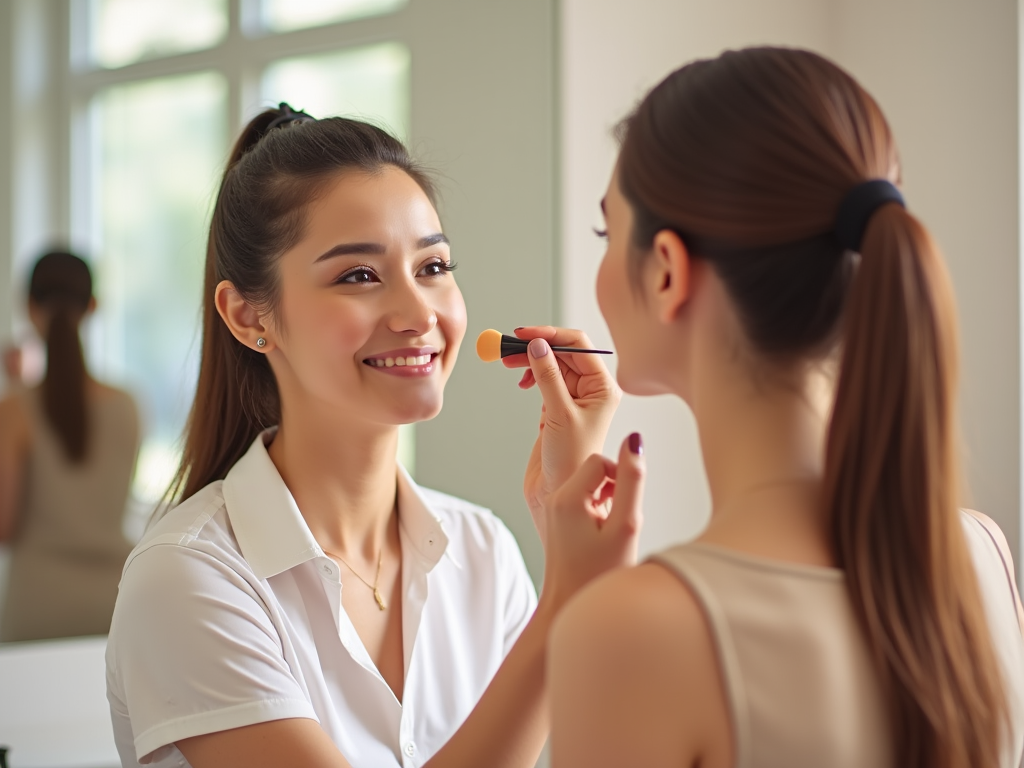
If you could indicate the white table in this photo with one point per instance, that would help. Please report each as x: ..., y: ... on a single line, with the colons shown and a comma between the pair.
x: 53, y: 705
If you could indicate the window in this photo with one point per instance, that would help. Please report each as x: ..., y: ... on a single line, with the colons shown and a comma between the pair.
x: 370, y: 82
x: 161, y: 91
x: 481, y: 108
x: 122, y: 32
x: 286, y: 15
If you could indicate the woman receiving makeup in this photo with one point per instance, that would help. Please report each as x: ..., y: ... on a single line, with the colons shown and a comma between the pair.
x: 840, y: 609
x: 306, y: 603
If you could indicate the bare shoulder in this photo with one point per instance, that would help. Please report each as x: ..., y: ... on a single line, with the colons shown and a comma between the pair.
x: 645, y: 613
x: 633, y: 653
x: 632, y: 602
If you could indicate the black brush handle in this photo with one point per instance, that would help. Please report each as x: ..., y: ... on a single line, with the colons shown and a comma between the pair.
x: 510, y: 345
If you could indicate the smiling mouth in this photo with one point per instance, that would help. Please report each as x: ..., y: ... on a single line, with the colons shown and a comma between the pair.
x: 409, y: 361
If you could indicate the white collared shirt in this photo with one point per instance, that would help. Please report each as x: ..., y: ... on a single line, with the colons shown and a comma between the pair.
x: 229, y: 614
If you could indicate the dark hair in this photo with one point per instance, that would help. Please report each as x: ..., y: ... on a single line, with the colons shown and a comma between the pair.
x: 748, y: 157
x: 273, y: 174
x: 61, y: 285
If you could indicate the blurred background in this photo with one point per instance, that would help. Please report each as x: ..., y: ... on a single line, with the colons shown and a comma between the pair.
x: 118, y: 116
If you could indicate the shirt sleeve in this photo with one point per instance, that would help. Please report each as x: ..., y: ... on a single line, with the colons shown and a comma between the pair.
x: 195, y: 651
x: 519, y: 592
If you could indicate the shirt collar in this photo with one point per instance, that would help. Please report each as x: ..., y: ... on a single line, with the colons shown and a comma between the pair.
x: 272, y: 534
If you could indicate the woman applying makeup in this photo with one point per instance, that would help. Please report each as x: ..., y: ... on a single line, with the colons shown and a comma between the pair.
x: 306, y: 603
x: 840, y: 609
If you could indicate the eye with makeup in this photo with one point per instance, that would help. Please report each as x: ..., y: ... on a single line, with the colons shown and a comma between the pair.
x: 438, y: 268
x: 360, y: 275
x: 602, y: 233
x: 364, y: 274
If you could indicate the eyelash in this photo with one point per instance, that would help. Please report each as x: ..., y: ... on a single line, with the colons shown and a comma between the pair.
x: 445, y: 266
x: 602, y: 233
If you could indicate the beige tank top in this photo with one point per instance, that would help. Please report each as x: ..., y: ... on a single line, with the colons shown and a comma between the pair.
x: 69, y: 548
x: 800, y: 685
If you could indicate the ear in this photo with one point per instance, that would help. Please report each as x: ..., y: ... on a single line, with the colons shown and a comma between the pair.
x: 670, y: 275
x: 91, y: 306
x: 241, y: 318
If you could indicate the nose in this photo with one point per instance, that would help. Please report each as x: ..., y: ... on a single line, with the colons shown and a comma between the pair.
x: 411, y: 312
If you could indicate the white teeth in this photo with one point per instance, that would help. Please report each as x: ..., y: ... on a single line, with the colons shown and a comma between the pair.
x: 391, y: 362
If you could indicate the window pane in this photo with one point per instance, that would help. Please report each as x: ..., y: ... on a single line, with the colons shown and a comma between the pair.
x: 371, y: 83
x: 160, y: 147
x: 125, y: 31
x: 285, y: 15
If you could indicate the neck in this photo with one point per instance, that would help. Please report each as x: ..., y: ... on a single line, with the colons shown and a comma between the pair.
x: 343, y: 476
x: 764, y: 453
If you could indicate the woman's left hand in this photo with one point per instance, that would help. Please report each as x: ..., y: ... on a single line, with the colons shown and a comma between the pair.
x: 580, y: 398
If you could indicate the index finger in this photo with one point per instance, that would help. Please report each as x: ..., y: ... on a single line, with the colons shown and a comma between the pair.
x: 584, y: 365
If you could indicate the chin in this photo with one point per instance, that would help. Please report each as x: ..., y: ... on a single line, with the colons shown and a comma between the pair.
x: 632, y: 384
x: 423, y: 410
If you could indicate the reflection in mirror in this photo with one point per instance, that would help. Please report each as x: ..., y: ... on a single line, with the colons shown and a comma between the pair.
x: 67, y: 454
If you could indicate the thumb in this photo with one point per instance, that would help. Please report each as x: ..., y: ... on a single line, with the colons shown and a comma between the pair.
x: 557, y: 400
x: 627, y: 504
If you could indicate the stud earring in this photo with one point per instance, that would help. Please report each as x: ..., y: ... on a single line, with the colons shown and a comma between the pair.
x: 261, y: 342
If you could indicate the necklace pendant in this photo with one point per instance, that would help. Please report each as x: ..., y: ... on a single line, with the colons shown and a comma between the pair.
x: 379, y: 598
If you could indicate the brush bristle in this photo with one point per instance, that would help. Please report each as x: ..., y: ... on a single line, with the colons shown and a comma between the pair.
x: 488, y: 345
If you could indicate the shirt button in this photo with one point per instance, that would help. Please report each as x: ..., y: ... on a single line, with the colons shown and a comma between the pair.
x: 410, y: 749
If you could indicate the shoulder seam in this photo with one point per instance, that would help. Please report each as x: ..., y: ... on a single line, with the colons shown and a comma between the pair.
x: 181, y: 538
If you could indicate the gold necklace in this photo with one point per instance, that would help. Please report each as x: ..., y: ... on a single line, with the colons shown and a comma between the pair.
x: 376, y: 579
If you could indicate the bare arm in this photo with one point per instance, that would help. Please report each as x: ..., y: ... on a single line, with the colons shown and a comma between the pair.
x: 15, y: 434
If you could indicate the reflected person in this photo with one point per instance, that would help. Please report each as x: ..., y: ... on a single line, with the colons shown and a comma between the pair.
x: 306, y: 602
x: 67, y: 455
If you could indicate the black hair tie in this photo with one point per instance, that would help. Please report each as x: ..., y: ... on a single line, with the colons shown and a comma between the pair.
x: 288, y: 116
x: 857, y: 207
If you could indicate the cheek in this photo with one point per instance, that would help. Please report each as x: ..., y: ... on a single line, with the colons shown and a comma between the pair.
x: 610, y: 279
x: 451, y: 316
x: 315, y: 322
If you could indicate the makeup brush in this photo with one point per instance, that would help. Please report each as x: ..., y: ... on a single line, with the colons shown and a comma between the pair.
x: 492, y: 345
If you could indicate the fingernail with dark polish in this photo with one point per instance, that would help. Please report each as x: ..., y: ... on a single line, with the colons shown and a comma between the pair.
x: 636, y: 445
x: 538, y: 348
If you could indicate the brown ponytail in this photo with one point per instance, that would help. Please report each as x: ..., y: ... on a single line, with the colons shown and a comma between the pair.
x: 747, y: 157
x: 61, y: 286
x: 891, y: 484
x: 277, y: 168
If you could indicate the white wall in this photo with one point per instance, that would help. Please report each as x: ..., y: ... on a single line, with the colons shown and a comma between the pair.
x: 944, y: 71
x: 612, y: 53
x: 946, y: 74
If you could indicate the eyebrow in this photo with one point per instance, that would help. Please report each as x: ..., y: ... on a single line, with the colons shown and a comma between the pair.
x: 604, y: 210
x: 376, y: 249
